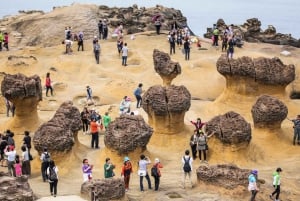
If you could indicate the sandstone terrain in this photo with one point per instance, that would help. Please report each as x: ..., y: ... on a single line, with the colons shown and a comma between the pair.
x: 211, y: 96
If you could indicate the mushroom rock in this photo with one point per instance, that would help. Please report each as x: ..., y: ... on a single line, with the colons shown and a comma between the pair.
x: 15, y: 188
x: 60, y: 133
x: 104, y: 189
x: 25, y: 93
x: 166, y: 107
x: 228, y: 176
x: 166, y: 68
x: 127, y: 133
x: 253, y: 77
x: 268, y: 112
x: 230, y: 128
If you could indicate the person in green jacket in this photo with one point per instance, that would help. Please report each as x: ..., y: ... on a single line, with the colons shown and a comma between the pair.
x: 1, y: 40
x: 106, y: 120
x: 109, y: 168
x: 276, y: 184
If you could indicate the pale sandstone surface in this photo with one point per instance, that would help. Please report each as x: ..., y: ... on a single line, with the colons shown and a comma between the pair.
x: 110, y: 81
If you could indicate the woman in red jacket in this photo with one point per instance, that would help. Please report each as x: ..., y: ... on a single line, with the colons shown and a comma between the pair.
x: 48, y: 84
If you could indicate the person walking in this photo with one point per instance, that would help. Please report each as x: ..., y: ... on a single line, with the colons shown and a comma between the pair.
x: 126, y: 172
x: 106, y: 120
x: 187, y: 49
x: 193, y: 143
x: 172, y: 42
x: 85, y: 120
x: 80, y: 41
x: 124, y: 55
x: 48, y: 84
x: 252, y: 186
x: 296, y: 127
x: 105, y: 29
x: 157, y: 24
x: 94, y: 126
x: 45, y: 158
x: 52, y: 174
x: 187, y: 167
x: 230, y: 50
x: 155, y: 172
x: 142, y: 172
x: 100, y: 29
x: 109, y: 168
x: 138, y: 92
x: 87, y: 170
x: 97, y: 51
x: 26, y: 167
x: 276, y: 184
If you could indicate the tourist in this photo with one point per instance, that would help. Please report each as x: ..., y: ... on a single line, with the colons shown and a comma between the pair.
x: 125, y: 105
x: 157, y: 24
x: 97, y: 51
x: 18, y: 166
x: 9, y: 108
x: 87, y: 170
x: 120, y: 45
x: 100, y: 29
x: 187, y: 167
x: 11, y: 153
x: 52, y: 174
x: 172, y: 43
x: 126, y: 172
x: 187, y: 49
x: 106, y: 120
x: 48, y: 84
x: 202, y: 145
x: 224, y: 42
x: 85, y: 120
x: 296, y: 129
x: 124, y: 55
x: 95, y: 133
x: 27, y: 141
x: 138, y: 92
x: 276, y: 184
x: 26, y: 167
x: 105, y: 29
x: 1, y: 40
x: 10, y: 138
x: 80, y: 41
x: 68, y: 43
x: 193, y: 143
x: 109, y: 168
x: 142, y: 172
x: 179, y: 38
x: 230, y: 49
x: 3, y: 145
x: 45, y: 158
x: 6, y: 41
x: 216, y: 37
x: 252, y: 187
x: 95, y: 115
x: 156, y: 173
x: 89, y: 95
x: 198, y: 124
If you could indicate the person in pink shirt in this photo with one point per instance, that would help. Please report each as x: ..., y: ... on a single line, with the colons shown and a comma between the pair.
x: 6, y: 41
x: 48, y: 84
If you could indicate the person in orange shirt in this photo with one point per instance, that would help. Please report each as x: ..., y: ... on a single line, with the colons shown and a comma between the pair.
x: 157, y: 176
x: 126, y: 171
x: 94, y: 126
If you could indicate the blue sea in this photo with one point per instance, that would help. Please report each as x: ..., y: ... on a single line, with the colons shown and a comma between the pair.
x: 283, y: 14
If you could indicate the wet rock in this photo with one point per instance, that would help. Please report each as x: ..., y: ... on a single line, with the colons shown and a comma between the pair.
x: 166, y: 107
x: 166, y: 68
x: 15, y: 188
x: 127, y: 133
x: 60, y: 133
x: 104, y: 189
x: 268, y: 112
x: 230, y: 128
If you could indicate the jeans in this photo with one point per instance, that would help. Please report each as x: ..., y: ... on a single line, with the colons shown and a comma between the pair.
x: 97, y: 56
x: 51, y: 90
x: 296, y: 135
x: 187, y: 54
x: 124, y: 60
x: 156, y: 182
x: 11, y: 168
x: 44, y: 170
x: 85, y: 125
x: 139, y: 101
x: 276, y: 191
x: 53, y: 187
x: 95, y: 140
x: 141, y: 182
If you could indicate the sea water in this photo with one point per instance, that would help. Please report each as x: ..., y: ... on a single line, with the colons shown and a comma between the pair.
x: 282, y: 14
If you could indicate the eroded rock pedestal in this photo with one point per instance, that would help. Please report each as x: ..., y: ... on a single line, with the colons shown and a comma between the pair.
x: 25, y: 93
x: 127, y: 133
x: 104, y: 189
x: 166, y: 105
x: 60, y: 133
x: 268, y: 112
x: 15, y: 188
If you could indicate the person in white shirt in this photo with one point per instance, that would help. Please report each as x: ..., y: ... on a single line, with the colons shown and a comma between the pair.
x: 10, y: 152
x: 143, y: 171
x: 124, y: 55
x: 187, y: 167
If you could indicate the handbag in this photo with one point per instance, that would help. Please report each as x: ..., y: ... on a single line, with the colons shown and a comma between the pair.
x: 142, y: 173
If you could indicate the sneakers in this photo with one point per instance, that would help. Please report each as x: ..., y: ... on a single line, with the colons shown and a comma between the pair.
x: 271, y: 197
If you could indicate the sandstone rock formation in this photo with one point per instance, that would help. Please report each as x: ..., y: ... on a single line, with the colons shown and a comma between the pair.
x: 166, y: 107
x: 127, y: 133
x: 25, y: 29
x: 251, y: 31
x: 166, y: 68
x: 228, y: 176
x: 230, y: 128
x: 255, y: 76
x: 15, y: 188
x: 104, y: 189
x: 268, y: 112
x: 60, y: 133
x: 25, y: 93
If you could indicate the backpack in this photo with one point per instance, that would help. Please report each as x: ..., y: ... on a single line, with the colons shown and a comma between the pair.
x: 52, y: 174
x: 186, y: 166
x: 46, y: 157
x: 154, y: 171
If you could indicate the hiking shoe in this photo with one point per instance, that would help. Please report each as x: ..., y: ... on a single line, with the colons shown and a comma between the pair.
x: 271, y: 197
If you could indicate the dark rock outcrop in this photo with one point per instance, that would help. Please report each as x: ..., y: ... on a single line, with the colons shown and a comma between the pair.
x: 15, y: 188
x: 104, y: 189
x: 227, y: 176
x: 127, y: 133
x: 230, y: 128
x: 251, y: 31
x: 60, y: 133
x: 166, y: 68
x: 268, y: 112
x: 166, y: 107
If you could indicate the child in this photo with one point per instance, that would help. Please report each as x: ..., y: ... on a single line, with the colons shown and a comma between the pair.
x: 18, y: 167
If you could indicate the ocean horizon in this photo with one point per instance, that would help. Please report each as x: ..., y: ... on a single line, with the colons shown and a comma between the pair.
x: 283, y: 15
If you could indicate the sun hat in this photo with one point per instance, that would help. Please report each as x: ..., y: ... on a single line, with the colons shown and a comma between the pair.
x: 126, y: 158
x: 254, y: 172
x: 156, y: 160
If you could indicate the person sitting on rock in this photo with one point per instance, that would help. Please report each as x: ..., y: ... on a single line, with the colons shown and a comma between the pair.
x: 125, y: 105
